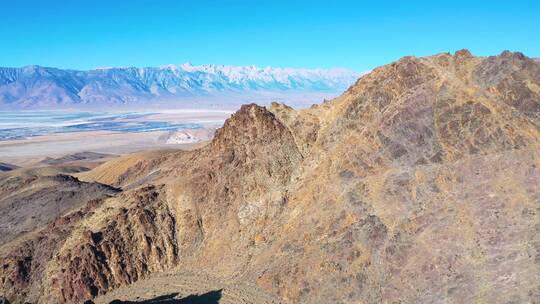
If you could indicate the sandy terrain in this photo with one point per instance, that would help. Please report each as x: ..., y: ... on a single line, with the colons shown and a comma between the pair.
x: 27, y: 151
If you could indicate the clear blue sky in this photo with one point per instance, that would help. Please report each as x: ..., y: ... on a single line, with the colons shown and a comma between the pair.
x: 355, y: 34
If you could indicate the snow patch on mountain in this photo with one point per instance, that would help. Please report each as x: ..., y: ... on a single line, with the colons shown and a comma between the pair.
x: 172, y: 86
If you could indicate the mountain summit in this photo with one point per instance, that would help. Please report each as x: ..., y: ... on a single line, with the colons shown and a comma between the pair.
x: 172, y: 86
x: 418, y: 185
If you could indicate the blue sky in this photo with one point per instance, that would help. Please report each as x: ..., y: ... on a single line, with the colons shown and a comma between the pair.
x: 354, y: 34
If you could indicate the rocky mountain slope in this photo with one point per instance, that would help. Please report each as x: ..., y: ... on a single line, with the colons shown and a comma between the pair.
x: 173, y: 86
x: 420, y: 184
x: 31, y: 199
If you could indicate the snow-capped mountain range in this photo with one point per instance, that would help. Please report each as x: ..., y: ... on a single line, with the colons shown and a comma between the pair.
x: 171, y: 86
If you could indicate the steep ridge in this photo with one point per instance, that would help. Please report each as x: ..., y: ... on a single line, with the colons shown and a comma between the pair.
x: 418, y: 184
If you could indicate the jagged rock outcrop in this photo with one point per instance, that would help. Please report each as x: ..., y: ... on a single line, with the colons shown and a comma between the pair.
x: 418, y: 185
x: 24, y: 266
x: 139, y: 238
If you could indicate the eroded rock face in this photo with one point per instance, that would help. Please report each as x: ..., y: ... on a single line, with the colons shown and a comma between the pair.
x: 23, y: 272
x: 233, y: 190
x: 418, y: 184
x: 139, y: 239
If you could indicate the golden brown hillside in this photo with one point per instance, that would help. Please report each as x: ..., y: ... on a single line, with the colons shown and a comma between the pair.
x: 420, y: 184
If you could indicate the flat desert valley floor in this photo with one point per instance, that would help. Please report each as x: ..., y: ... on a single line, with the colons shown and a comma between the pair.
x: 27, y: 138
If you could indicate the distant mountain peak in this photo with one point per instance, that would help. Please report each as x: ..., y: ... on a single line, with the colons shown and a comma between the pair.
x: 182, y: 85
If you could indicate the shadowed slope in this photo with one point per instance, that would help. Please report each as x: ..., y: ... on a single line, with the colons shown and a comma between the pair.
x: 211, y: 297
x: 7, y: 167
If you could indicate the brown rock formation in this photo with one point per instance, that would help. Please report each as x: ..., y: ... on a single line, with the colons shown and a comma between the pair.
x: 418, y: 184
